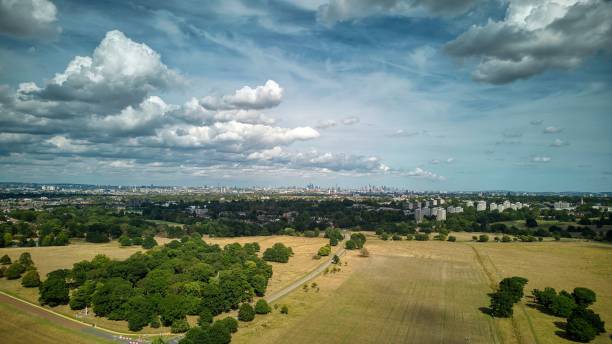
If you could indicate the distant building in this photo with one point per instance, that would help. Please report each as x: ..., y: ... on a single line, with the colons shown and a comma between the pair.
x: 492, y: 206
x: 469, y: 203
x: 418, y: 215
x: 561, y: 205
x: 481, y: 206
x: 441, y: 214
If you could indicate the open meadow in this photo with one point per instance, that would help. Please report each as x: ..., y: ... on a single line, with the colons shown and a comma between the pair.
x: 435, y: 292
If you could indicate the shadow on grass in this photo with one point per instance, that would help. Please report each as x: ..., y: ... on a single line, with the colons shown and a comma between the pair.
x: 486, y: 310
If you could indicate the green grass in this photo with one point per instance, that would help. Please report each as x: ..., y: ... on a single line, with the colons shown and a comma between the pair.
x: 161, y: 222
x: 20, y: 327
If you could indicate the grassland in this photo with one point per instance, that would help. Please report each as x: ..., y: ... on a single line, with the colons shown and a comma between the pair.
x: 21, y: 327
x: 48, y: 259
x: 433, y: 292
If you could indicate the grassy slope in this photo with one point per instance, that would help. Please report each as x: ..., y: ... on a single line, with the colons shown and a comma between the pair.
x: 20, y: 327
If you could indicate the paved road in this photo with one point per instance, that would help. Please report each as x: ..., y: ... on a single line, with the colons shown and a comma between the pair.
x: 297, y: 284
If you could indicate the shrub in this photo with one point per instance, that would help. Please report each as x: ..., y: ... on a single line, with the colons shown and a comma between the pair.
x: 350, y: 245
x: 155, y: 322
x: 5, y: 260
x: 325, y: 251
x: 179, y: 326
x: 506, y: 238
x: 364, y: 252
x: 396, y: 237
x: 452, y: 238
x: 384, y: 236
x: 246, y: 312
x: 278, y: 253
x: 31, y: 279
x: 359, y: 239
x: 2, y: 271
x: 125, y: 240
x: 409, y: 237
x: 284, y: 309
x: 14, y: 271
x: 421, y: 237
x: 262, y: 307
x: 483, y: 238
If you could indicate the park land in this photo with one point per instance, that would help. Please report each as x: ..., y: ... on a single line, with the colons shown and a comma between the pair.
x: 404, y: 292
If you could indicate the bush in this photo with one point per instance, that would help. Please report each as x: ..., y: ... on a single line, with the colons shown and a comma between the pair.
x: 14, y: 271
x: 284, y: 309
x: 2, y: 271
x: 262, y: 307
x: 452, y: 238
x: 31, y: 279
x: 506, y: 238
x: 364, y: 252
x: 350, y: 245
x: 590, y: 316
x: 584, y: 297
x: 155, y: 322
x: 278, y: 253
x: 409, y: 237
x: 396, y: 237
x: 246, y: 312
x: 384, y: 236
x: 483, y: 238
x: 5, y: 260
x: 179, y: 326
x: 421, y: 237
x: 125, y: 240
x: 25, y: 259
x: 325, y: 251
x: 359, y: 239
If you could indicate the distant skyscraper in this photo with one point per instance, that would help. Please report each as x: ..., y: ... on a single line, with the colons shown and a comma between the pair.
x: 441, y: 214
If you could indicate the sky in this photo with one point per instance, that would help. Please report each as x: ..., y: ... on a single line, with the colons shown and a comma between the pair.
x: 416, y: 94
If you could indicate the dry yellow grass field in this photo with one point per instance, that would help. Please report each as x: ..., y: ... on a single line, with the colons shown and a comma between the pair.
x: 432, y: 292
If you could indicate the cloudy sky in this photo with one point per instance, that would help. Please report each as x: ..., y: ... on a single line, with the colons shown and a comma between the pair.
x: 418, y: 94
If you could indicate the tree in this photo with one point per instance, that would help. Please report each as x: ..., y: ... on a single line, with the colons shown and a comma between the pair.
x: 14, y: 271
x: 501, y: 304
x: 584, y: 297
x: 278, y: 253
x: 54, y: 290
x: 483, y: 238
x: 205, y: 317
x: 262, y: 307
x: 229, y: 323
x: 590, y: 316
x: 5, y: 260
x: 172, y: 308
x: 452, y: 238
x: 81, y: 297
x: 246, y: 312
x: 514, y: 286
x: 179, y: 326
x: 110, y: 298
x: 2, y: 271
x: 284, y: 309
x: 506, y: 238
x: 531, y: 223
x: 149, y: 242
x: 31, y: 279
x: 350, y: 245
x: 140, y: 312
x: 579, y: 329
x: 562, y: 305
x: 25, y: 259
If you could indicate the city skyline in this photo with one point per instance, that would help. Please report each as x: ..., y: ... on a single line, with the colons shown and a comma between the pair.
x: 419, y: 95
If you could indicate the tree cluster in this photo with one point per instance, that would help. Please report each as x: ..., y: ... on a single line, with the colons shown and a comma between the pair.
x: 582, y: 324
x: 509, y: 292
x: 163, y: 285
x: 278, y: 253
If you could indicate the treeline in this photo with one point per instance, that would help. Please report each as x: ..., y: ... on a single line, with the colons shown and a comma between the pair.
x: 55, y: 226
x: 163, y: 285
